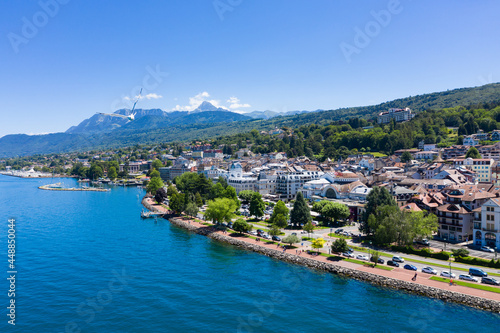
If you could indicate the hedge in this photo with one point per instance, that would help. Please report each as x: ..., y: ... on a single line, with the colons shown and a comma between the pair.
x: 423, y: 252
x: 478, y: 262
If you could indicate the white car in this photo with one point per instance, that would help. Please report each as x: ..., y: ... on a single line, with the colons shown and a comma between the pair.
x: 253, y: 232
x: 429, y: 270
x: 361, y: 257
x: 398, y: 259
x: 487, y: 249
x: 447, y: 274
x: 348, y: 254
x: 468, y: 278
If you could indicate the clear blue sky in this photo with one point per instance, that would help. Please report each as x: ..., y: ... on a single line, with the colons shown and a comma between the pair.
x: 89, y: 56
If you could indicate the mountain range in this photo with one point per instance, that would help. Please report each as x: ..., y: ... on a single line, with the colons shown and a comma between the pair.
x: 155, y: 125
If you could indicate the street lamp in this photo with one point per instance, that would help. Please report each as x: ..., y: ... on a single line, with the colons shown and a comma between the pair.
x: 451, y: 256
x: 444, y: 238
x: 369, y: 251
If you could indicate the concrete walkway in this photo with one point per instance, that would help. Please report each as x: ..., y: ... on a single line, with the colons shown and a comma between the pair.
x: 397, y: 273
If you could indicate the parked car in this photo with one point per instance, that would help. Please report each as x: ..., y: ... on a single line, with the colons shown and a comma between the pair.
x: 490, y: 280
x: 423, y: 242
x: 361, y: 257
x: 276, y: 238
x: 230, y: 225
x: 477, y: 272
x: 379, y: 261
x: 392, y: 263
x: 253, y: 232
x: 338, y: 231
x: 294, y: 233
x: 260, y: 231
x: 447, y: 274
x: 348, y: 254
x: 466, y: 277
x: 410, y: 267
x: 266, y: 236
x: 398, y: 259
x: 429, y: 270
x: 487, y: 249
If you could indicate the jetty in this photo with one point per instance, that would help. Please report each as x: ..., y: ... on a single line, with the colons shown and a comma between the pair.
x: 148, y: 214
x: 59, y: 187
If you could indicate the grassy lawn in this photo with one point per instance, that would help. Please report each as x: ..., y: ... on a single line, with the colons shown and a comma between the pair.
x: 339, y: 236
x: 377, y: 154
x: 468, y: 284
x: 354, y: 261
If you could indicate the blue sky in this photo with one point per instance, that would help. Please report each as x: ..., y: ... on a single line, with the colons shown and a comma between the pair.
x: 92, y: 56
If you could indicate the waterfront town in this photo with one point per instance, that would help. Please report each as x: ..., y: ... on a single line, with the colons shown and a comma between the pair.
x: 462, y: 191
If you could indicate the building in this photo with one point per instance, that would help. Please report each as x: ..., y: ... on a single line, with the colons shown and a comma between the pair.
x: 471, y: 140
x: 181, y: 166
x: 241, y: 181
x: 426, y: 155
x: 291, y: 180
x: 398, y: 115
x: 213, y: 153
x: 481, y: 166
x: 487, y: 224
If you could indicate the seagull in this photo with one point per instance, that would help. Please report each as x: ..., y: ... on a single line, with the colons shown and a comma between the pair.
x: 131, y: 116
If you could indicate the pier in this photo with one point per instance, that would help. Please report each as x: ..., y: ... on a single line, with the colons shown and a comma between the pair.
x: 58, y: 187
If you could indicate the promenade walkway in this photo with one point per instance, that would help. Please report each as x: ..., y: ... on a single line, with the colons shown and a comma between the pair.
x: 397, y: 273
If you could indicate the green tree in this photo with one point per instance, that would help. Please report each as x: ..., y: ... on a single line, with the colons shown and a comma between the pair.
x: 335, y: 211
x: 280, y: 209
x: 157, y: 164
x: 191, y: 209
x: 460, y: 252
x: 241, y: 226
x: 280, y: 221
x: 257, y: 205
x: 378, y: 196
x: 300, y: 213
x: 245, y: 196
x: 375, y: 257
x: 198, y: 199
x: 318, y: 243
x: 221, y: 210
x: 340, y: 245
x: 309, y: 227
x: 171, y: 190
x: 217, y: 191
x: 154, y: 173
x: 291, y: 239
x: 112, y: 174
x: 473, y: 153
x: 154, y: 184
x: 176, y: 203
x: 406, y: 157
x: 274, y: 231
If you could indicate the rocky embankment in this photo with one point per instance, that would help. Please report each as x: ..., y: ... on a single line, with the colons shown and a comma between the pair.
x: 414, y: 288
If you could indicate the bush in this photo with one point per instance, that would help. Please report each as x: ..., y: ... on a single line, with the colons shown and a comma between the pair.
x: 425, y: 252
x: 478, y: 262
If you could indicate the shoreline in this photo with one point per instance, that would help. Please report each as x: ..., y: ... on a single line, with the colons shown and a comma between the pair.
x: 350, y: 272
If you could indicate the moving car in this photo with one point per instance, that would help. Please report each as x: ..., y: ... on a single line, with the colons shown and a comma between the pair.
x: 361, y: 257
x: 447, y: 274
x: 410, y: 267
x: 477, y: 272
x: 379, y: 261
x: 490, y: 280
x: 487, y: 249
x: 398, y: 259
x: 429, y: 270
x: 348, y: 254
x: 466, y: 277
x: 423, y: 242
x: 276, y: 238
x: 392, y: 263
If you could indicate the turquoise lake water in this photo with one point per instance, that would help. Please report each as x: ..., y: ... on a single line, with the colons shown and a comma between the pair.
x: 86, y: 262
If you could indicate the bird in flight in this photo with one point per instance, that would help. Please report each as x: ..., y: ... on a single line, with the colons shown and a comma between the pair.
x: 131, y: 116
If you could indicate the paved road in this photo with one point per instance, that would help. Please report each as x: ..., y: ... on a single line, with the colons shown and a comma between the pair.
x: 473, y: 252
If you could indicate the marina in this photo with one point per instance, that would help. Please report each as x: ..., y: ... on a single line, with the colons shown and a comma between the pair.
x: 59, y: 187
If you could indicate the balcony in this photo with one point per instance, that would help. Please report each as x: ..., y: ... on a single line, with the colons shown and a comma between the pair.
x: 490, y: 230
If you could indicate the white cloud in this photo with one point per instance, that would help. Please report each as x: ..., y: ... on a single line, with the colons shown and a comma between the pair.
x: 195, y: 101
x: 148, y: 96
x: 235, y: 104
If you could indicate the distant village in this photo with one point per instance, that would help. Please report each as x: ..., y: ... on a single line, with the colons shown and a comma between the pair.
x: 464, y: 193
